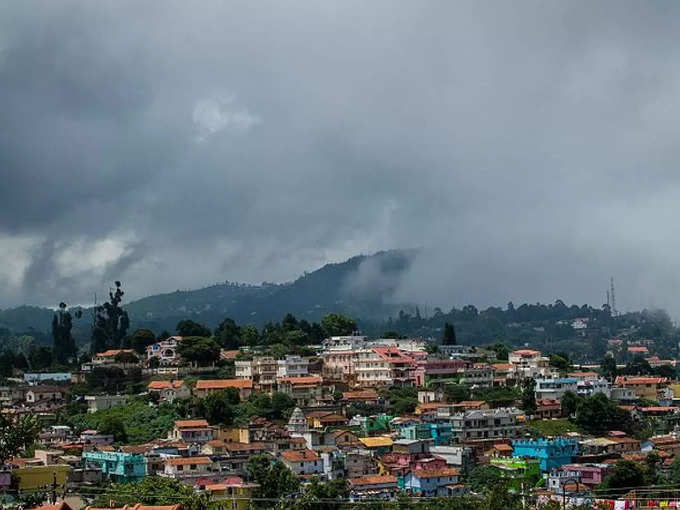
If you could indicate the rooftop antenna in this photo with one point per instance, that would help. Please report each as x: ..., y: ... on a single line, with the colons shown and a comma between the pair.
x: 613, y: 297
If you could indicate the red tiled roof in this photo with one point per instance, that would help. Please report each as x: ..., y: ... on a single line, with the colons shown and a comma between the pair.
x: 237, y: 447
x: 311, y: 379
x: 113, y: 352
x: 526, y: 352
x: 185, y: 461
x: 186, y: 424
x: 435, y: 473
x: 393, y: 354
x: 299, y: 455
x: 221, y: 384
x: 638, y: 349
x: 360, y: 395
x: 373, y: 480
x: 633, y: 380
x: 162, y: 385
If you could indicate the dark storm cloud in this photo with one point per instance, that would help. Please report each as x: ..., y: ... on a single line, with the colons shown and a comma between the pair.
x: 528, y: 148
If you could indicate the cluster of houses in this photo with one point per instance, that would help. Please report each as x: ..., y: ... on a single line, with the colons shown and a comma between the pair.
x: 379, y: 454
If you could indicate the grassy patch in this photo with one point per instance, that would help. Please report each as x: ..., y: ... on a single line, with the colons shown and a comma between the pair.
x: 553, y: 427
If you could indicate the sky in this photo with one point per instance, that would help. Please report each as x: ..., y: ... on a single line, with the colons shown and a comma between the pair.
x: 529, y: 149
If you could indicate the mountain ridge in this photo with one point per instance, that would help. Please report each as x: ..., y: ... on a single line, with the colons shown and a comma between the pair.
x: 361, y: 286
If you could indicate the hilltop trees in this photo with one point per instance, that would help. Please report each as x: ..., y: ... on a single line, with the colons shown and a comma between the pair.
x: 191, y: 328
x: 142, y: 338
x: 199, y: 350
x: 449, y: 336
x: 335, y: 324
x: 111, y: 322
x: 64, y: 343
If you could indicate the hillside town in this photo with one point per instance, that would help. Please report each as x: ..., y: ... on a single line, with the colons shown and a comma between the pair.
x: 369, y: 420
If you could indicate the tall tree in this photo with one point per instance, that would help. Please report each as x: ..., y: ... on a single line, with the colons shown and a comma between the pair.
x: 190, y: 328
x: 336, y: 324
x: 528, y: 396
x: 228, y: 334
x: 142, y: 338
x: 64, y: 343
x: 111, y: 322
x: 449, y: 336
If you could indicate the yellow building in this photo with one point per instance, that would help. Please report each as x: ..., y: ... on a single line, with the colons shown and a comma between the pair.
x: 233, y: 495
x: 642, y: 387
x: 234, y: 434
x: 37, y: 477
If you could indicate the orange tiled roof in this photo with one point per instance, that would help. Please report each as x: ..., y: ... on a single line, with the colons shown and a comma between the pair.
x: 434, y: 473
x: 373, y: 480
x: 526, y: 352
x: 113, y: 352
x: 299, y: 455
x: 221, y: 384
x: 182, y: 424
x: 360, y: 395
x: 235, y: 447
x: 634, y: 380
x: 185, y: 461
x: 162, y: 385
x: 310, y: 379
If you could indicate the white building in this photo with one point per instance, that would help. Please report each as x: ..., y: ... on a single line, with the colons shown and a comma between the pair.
x: 100, y: 402
x: 262, y: 370
x: 555, y: 388
x: 292, y: 366
x: 303, y: 462
x: 590, y: 386
x: 165, y: 350
x: 486, y: 424
x: 530, y: 363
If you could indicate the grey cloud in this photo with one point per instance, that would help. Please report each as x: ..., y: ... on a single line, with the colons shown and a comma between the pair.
x: 528, y: 148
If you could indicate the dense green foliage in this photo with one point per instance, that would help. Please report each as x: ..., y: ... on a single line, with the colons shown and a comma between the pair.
x: 111, y: 322
x: 152, y: 490
x: 140, y: 422
x: 64, y: 343
x: 274, y: 477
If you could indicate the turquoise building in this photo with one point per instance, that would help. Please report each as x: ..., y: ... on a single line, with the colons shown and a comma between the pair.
x: 552, y: 453
x: 117, y: 466
x: 440, y: 432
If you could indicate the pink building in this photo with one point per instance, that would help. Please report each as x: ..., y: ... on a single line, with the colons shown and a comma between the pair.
x: 589, y: 475
x: 431, y: 371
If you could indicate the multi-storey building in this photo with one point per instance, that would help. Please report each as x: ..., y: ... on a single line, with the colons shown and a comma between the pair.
x: 554, y: 388
x: 438, y: 371
x: 205, y: 387
x: 302, y: 462
x: 292, y: 366
x: 591, y: 385
x: 189, y: 469
x: 261, y: 371
x: 164, y: 351
x: 304, y: 391
x: 479, y: 374
x: 530, y: 363
x: 384, y: 366
x: 117, y: 466
x: 485, y: 424
x: 191, y: 431
x: 552, y: 453
x: 642, y: 387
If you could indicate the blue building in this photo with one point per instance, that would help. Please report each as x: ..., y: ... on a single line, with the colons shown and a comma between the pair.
x: 117, y: 466
x: 440, y: 432
x: 552, y: 453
